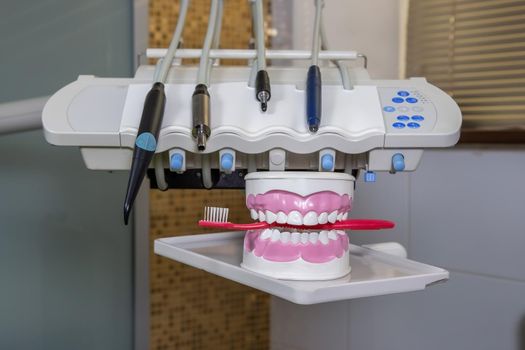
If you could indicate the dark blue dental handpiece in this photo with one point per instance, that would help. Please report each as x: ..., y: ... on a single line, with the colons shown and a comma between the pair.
x: 313, y: 98
x: 145, y: 143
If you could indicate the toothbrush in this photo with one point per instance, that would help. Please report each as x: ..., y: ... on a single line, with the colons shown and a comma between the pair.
x: 218, y: 218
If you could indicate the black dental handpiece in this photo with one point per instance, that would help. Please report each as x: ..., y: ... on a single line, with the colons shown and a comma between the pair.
x: 263, y: 91
x: 145, y: 143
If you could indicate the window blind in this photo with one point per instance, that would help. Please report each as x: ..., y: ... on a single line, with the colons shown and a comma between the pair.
x: 475, y: 51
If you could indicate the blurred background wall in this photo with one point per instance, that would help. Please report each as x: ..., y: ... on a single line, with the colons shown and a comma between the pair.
x: 65, y: 256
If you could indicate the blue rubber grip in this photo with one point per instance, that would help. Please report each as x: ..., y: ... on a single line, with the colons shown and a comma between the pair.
x: 398, y: 162
x: 313, y: 98
x: 226, y: 162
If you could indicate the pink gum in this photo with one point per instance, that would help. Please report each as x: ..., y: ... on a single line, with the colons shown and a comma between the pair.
x: 278, y: 200
x: 286, y: 252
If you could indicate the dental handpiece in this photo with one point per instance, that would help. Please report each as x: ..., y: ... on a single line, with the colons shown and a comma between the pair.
x: 145, y: 143
x: 200, y: 101
x: 263, y: 91
x: 313, y: 98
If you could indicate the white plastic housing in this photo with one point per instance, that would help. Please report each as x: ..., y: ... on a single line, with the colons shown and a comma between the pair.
x: 101, y: 115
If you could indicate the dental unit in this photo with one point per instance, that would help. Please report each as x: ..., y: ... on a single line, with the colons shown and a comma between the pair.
x: 297, y: 157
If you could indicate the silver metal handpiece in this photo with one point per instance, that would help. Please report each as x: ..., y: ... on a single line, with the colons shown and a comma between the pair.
x: 201, y: 116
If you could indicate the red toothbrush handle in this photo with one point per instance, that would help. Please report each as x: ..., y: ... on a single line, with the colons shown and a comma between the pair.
x: 232, y: 226
x: 352, y: 224
x: 361, y: 224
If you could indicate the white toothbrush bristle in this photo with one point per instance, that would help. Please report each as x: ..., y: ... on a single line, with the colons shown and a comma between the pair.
x: 215, y: 214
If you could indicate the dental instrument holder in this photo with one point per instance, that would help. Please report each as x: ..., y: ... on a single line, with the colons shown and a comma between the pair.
x: 365, y: 126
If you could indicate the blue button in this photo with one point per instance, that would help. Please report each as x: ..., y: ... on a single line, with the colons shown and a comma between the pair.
x: 418, y: 118
x: 176, y: 162
x: 146, y: 141
x: 398, y: 162
x: 226, y: 161
x: 411, y: 100
x: 403, y: 93
x: 398, y: 125
x: 413, y: 125
x: 403, y: 118
x: 389, y: 109
x: 327, y: 162
x: 398, y: 100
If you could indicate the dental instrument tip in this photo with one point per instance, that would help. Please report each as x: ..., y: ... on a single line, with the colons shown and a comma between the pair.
x: 201, y: 140
x: 263, y: 97
x: 313, y: 128
x: 127, y: 212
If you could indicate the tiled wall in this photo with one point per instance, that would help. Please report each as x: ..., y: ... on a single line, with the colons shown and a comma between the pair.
x: 190, y: 308
x: 463, y: 210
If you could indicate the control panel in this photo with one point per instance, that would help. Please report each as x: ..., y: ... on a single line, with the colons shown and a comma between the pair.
x: 406, y: 110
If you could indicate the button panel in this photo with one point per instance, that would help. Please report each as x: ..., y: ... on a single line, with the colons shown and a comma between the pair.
x: 406, y: 110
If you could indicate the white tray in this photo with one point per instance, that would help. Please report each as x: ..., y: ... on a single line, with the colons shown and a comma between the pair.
x: 373, y: 273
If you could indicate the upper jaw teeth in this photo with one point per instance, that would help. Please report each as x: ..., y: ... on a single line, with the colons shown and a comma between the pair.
x: 296, y: 218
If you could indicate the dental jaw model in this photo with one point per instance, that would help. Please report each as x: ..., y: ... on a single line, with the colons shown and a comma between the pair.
x: 301, y: 199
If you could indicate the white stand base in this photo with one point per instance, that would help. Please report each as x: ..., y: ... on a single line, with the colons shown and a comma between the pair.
x: 298, y: 270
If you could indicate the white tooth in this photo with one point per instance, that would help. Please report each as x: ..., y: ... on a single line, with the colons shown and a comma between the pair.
x: 281, y: 218
x: 270, y: 217
x: 310, y: 218
x: 339, y: 216
x: 294, y: 218
x: 314, y: 236
x: 304, y: 237
x: 275, y: 235
x: 323, y: 237
x: 340, y: 232
x: 262, y: 217
x: 266, y: 234
x: 253, y: 214
x: 332, y: 235
x: 285, y: 237
x: 296, y: 236
x: 345, y: 216
x: 323, y: 218
x: 332, y: 216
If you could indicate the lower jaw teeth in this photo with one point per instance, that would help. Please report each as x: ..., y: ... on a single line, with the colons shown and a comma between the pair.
x: 296, y: 237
